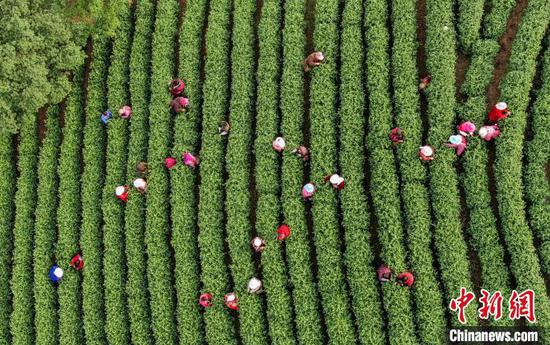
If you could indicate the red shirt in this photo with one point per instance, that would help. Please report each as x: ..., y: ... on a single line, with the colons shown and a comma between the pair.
x: 176, y: 87
x: 123, y: 196
x: 496, y: 115
x: 77, y: 262
x: 406, y: 278
x: 283, y: 232
x: 397, y: 135
x: 205, y: 300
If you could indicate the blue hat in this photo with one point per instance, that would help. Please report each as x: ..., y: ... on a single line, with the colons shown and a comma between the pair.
x: 455, y: 139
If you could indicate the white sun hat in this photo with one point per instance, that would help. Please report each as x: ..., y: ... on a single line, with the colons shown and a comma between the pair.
x: 280, y: 141
x: 336, y: 179
x: 254, y: 284
x: 230, y: 297
x: 139, y: 183
x: 455, y: 139
x: 309, y: 187
x: 58, y: 272
x: 501, y: 105
x: 257, y: 241
x: 120, y: 190
x: 426, y: 151
x: 483, y: 131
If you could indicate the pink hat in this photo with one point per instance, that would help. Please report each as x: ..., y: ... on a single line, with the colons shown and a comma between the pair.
x: 501, y: 105
x: 467, y: 127
x: 426, y: 150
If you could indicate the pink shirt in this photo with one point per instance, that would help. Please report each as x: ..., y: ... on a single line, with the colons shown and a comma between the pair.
x: 189, y: 160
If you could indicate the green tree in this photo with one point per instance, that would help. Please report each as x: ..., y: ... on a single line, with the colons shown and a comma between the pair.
x: 40, y: 45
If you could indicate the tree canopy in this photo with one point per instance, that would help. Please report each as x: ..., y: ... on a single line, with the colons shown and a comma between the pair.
x: 41, y: 43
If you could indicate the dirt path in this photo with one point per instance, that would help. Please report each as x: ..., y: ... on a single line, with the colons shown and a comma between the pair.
x: 501, y: 61
x: 42, y: 115
x: 493, y: 95
x: 473, y: 256
x: 87, y: 69
x: 310, y: 25
x: 181, y: 16
x: 309, y: 19
x: 421, y: 63
x: 461, y: 67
